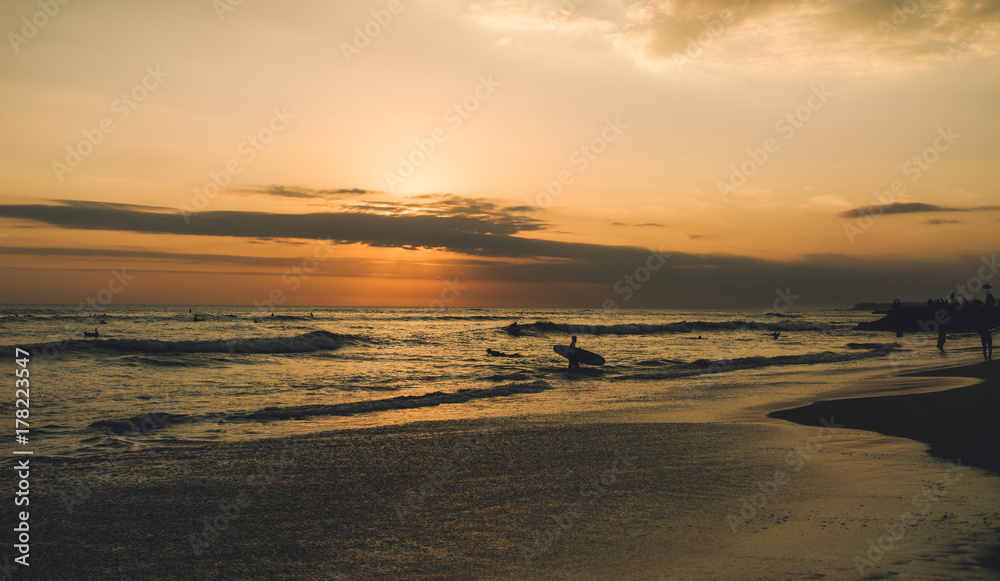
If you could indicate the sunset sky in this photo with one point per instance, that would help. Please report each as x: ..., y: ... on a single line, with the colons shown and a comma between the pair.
x: 510, y: 153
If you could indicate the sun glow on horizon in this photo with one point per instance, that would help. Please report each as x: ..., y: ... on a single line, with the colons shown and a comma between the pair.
x: 523, y: 146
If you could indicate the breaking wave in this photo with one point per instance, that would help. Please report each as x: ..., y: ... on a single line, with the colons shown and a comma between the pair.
x: 305, y: 343
x: 678, y: 327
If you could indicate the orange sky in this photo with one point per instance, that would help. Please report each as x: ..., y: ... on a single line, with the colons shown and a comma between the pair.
x: 532, y: 151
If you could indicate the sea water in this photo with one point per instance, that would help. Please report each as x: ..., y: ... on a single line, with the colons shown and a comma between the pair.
x: 157, y: 377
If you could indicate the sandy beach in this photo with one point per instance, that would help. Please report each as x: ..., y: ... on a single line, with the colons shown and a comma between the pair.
x: 595, y: 497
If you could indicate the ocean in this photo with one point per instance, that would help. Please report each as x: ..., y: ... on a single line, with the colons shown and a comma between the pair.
x: 155, y: 377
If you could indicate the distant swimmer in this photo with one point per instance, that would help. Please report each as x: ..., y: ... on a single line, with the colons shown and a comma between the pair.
x: 987, y: 339
x: 197, y: 320
x: 103, y: 323
x: 493, y: 353
x: 94, y: 334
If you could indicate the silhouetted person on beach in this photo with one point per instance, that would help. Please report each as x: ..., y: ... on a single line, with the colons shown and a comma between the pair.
x: 942, y: 336
x: 987, y: 338
x: 573, y: 363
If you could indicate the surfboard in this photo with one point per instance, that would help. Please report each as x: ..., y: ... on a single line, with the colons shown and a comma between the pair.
x: 582, y: 355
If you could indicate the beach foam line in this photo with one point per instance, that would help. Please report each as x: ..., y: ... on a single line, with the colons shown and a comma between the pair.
x: 873, y: 346
x: 141, y: 424
x: 394, y: 403
x: 711, y: 367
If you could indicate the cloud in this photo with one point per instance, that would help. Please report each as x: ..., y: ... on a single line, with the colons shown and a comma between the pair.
x: 188, y: 258
x: 643, y: 225
x: 307, y: 193
x: 909, y: 208
x: 451, y: 206
x: 895, y: 208
x: 494, y: 253
x: 867, y: 36
x: 113, y: 205
x: 461, y: 225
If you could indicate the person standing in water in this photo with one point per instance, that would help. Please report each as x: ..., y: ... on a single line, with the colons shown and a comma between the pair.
x: 573, y: 362
x: 987, y: 339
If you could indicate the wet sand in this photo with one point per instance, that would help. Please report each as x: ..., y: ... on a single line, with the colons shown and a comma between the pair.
x: 957, y: 423
x: 599, y: 497
x: 958, y: 426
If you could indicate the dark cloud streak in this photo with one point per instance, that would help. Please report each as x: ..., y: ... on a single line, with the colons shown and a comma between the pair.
x: 308, y: 193
x: 908, y: 208
x: 496, y: 254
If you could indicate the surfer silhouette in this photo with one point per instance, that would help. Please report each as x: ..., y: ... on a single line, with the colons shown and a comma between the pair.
x: 576, y: 355
x: 776, y: 334
x: 513, y: 329
x: 574, y: 363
